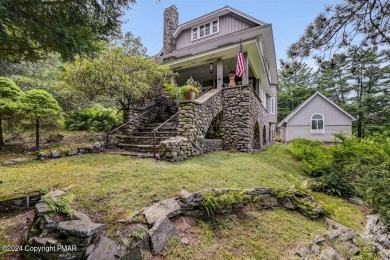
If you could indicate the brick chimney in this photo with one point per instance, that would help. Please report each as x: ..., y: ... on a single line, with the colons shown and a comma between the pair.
x: 171, y: 22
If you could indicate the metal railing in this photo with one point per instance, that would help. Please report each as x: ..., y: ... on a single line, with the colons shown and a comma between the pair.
x: 108, y: 133
x: 157, y: 128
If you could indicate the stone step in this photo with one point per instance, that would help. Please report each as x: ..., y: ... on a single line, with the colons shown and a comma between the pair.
x: 131, y: 139
x: 158, y: 133
x: 143, y: 148
x: 134, y: 154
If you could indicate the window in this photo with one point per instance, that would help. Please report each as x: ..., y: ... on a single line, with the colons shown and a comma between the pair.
x: 206, y: 29
x: 273, y: 105
x: 317, y: 123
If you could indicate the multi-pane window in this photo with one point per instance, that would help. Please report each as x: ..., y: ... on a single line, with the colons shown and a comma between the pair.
x: 206, y: 29
x: 273, y: 105
x: 317, y: 123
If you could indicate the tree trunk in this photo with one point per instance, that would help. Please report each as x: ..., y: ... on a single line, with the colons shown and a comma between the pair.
x: 1, y: 134
x: 360, y: 127
x: 126, y: 113
x: 37, y: 133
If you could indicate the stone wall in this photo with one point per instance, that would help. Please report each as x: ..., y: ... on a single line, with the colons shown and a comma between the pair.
x: 134, y: 114
x: 171, y: 22
x: 211, y: 145
x: 19, y: 203
x: 230, y: 114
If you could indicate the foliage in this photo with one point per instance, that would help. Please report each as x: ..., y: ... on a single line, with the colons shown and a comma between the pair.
x: 42, y: 109
x: 9, y: 95
x: 172, y: 90
x: 130, y: 44
x: 295, y: 82
x: 374, y: 188
x: 194, y: 83
x: 343, y: 25
x: 217, y: 200
x: 187, y: 89
x: 62, y: 204
x: 31, y: 29
x: 354, y: 166
x: 129, y: 80
x: 96, y: 118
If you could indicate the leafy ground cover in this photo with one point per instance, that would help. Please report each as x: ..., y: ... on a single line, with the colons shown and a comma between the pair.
x: 109, y: 187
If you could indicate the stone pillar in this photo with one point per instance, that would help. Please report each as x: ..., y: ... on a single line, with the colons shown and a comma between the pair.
x: 171, y: 22
x: 219, y: 73
x: 245, y: 76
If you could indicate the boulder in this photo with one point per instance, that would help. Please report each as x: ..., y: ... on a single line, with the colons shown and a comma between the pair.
x: 163, y: 209
x: 105, y: 250
x: 79, y: 228
x: 55, y: 153
x: 186, y: 197
x: 160, y: 234
x: 8, y: 163
x: 18, y: 160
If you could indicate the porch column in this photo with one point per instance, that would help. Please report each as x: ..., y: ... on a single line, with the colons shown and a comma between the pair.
x: 219, y: 73
x: 173, y: 80
x: 245, y: 76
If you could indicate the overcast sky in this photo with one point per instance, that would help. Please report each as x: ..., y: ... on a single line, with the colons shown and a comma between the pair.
x: 289, y: 18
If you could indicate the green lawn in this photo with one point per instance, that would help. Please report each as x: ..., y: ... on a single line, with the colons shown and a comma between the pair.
x: 110, y: 187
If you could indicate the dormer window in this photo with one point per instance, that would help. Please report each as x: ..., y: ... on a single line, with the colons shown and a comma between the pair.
x: 206, y: 29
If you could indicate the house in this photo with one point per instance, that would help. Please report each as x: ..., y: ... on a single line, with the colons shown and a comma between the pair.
x: 242, y: 117
x: 316, y: 118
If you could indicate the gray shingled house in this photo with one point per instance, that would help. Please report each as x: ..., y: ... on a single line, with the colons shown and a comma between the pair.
x: 316, y: 118
x: 241, y: 117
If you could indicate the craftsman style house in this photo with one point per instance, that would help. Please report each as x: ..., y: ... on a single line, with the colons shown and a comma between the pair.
x: 241, y: 117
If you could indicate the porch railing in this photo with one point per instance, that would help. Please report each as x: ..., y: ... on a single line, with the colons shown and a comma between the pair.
x: 108, y: 133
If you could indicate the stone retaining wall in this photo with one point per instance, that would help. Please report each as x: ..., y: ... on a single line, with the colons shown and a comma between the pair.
x: 63, y: 152
x: 140, y: 121
x: 19, y: 203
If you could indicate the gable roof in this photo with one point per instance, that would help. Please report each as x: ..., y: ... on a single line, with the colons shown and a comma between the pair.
x: 224, y: 10
x: 289, y: 116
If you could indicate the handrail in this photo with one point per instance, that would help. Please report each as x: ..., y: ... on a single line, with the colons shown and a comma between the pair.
x: 128, y: 122
x: 157, y: 128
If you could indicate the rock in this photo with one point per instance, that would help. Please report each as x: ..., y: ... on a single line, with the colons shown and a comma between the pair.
x: 134, y: 254
x: 160, y: 234
x: 8, y: 163
x: 333, y: 234
x: 329, y: 253
x: 78, y: 215
x: 105, y: 250
x: 289, y: 205
x: 54, y: 194
x: 18, y: 160
x: 80, y: 228
x: 356, y: 201
x: 42, y: 241
x: 163, y: 209
x: 97, y: 146
x: 302, y: 252
x: 140, y: 235
x: 55, y: 153
x: 42, y: 208
x: 186, y: 197
x: 89, y: 249
x: 43, y: 155
x: 72, y: 151
x: 315, y: 249
x: 319, y: 240
x: 184, y: 240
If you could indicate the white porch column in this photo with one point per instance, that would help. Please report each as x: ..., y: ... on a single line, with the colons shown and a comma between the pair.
x: 245, y: 76
x: 173, y: 80
x: 219, y: 73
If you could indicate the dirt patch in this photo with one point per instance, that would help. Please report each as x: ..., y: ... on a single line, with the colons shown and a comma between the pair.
x: 13, y: 226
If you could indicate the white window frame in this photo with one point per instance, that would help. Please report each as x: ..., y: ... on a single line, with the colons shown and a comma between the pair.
x: 317, y: 131
x: 210, y: 23
x: 273, y: 105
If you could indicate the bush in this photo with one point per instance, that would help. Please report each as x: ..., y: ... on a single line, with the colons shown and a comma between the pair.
x: 96, y: 118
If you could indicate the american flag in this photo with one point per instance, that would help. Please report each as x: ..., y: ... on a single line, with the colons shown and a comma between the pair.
x: 240, y: 62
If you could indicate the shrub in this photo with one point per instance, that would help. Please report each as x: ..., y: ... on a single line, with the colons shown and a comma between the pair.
x: 96, y: 118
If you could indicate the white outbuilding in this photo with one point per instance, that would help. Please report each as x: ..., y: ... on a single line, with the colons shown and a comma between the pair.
x: 316, y: 118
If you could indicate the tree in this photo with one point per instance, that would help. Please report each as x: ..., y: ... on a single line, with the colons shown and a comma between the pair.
x: 42, y: 109
x: 359, y: 82
x: 129, y: 80
x: 30, y: 29
x: 130, y: 44
x: 295, y: 80
x: 356, y: 23
x: 9, y: 95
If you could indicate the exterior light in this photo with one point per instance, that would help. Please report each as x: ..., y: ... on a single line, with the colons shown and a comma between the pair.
x: 211, y: 67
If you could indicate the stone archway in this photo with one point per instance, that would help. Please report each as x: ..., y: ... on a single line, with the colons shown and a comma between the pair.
x: 215, y: 128
x: 256, y: 137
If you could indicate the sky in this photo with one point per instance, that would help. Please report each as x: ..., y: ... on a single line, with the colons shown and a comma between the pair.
x: 289, y: 18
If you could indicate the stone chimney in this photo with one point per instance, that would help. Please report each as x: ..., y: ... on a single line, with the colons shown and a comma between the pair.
x: 171, y: 22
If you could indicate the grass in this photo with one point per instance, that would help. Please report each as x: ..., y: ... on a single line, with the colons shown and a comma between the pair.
x: 271, y: 234
x: 110, y: 187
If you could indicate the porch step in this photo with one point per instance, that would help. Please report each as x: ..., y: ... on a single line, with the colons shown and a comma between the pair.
x: 143, y: 148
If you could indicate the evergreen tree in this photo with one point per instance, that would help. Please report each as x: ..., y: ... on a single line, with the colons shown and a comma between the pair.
x: 41, y: 109
x: 295, y: 81
x: 9, y: 95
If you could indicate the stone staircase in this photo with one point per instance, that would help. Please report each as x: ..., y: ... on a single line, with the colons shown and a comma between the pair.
x: 140, y: 142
